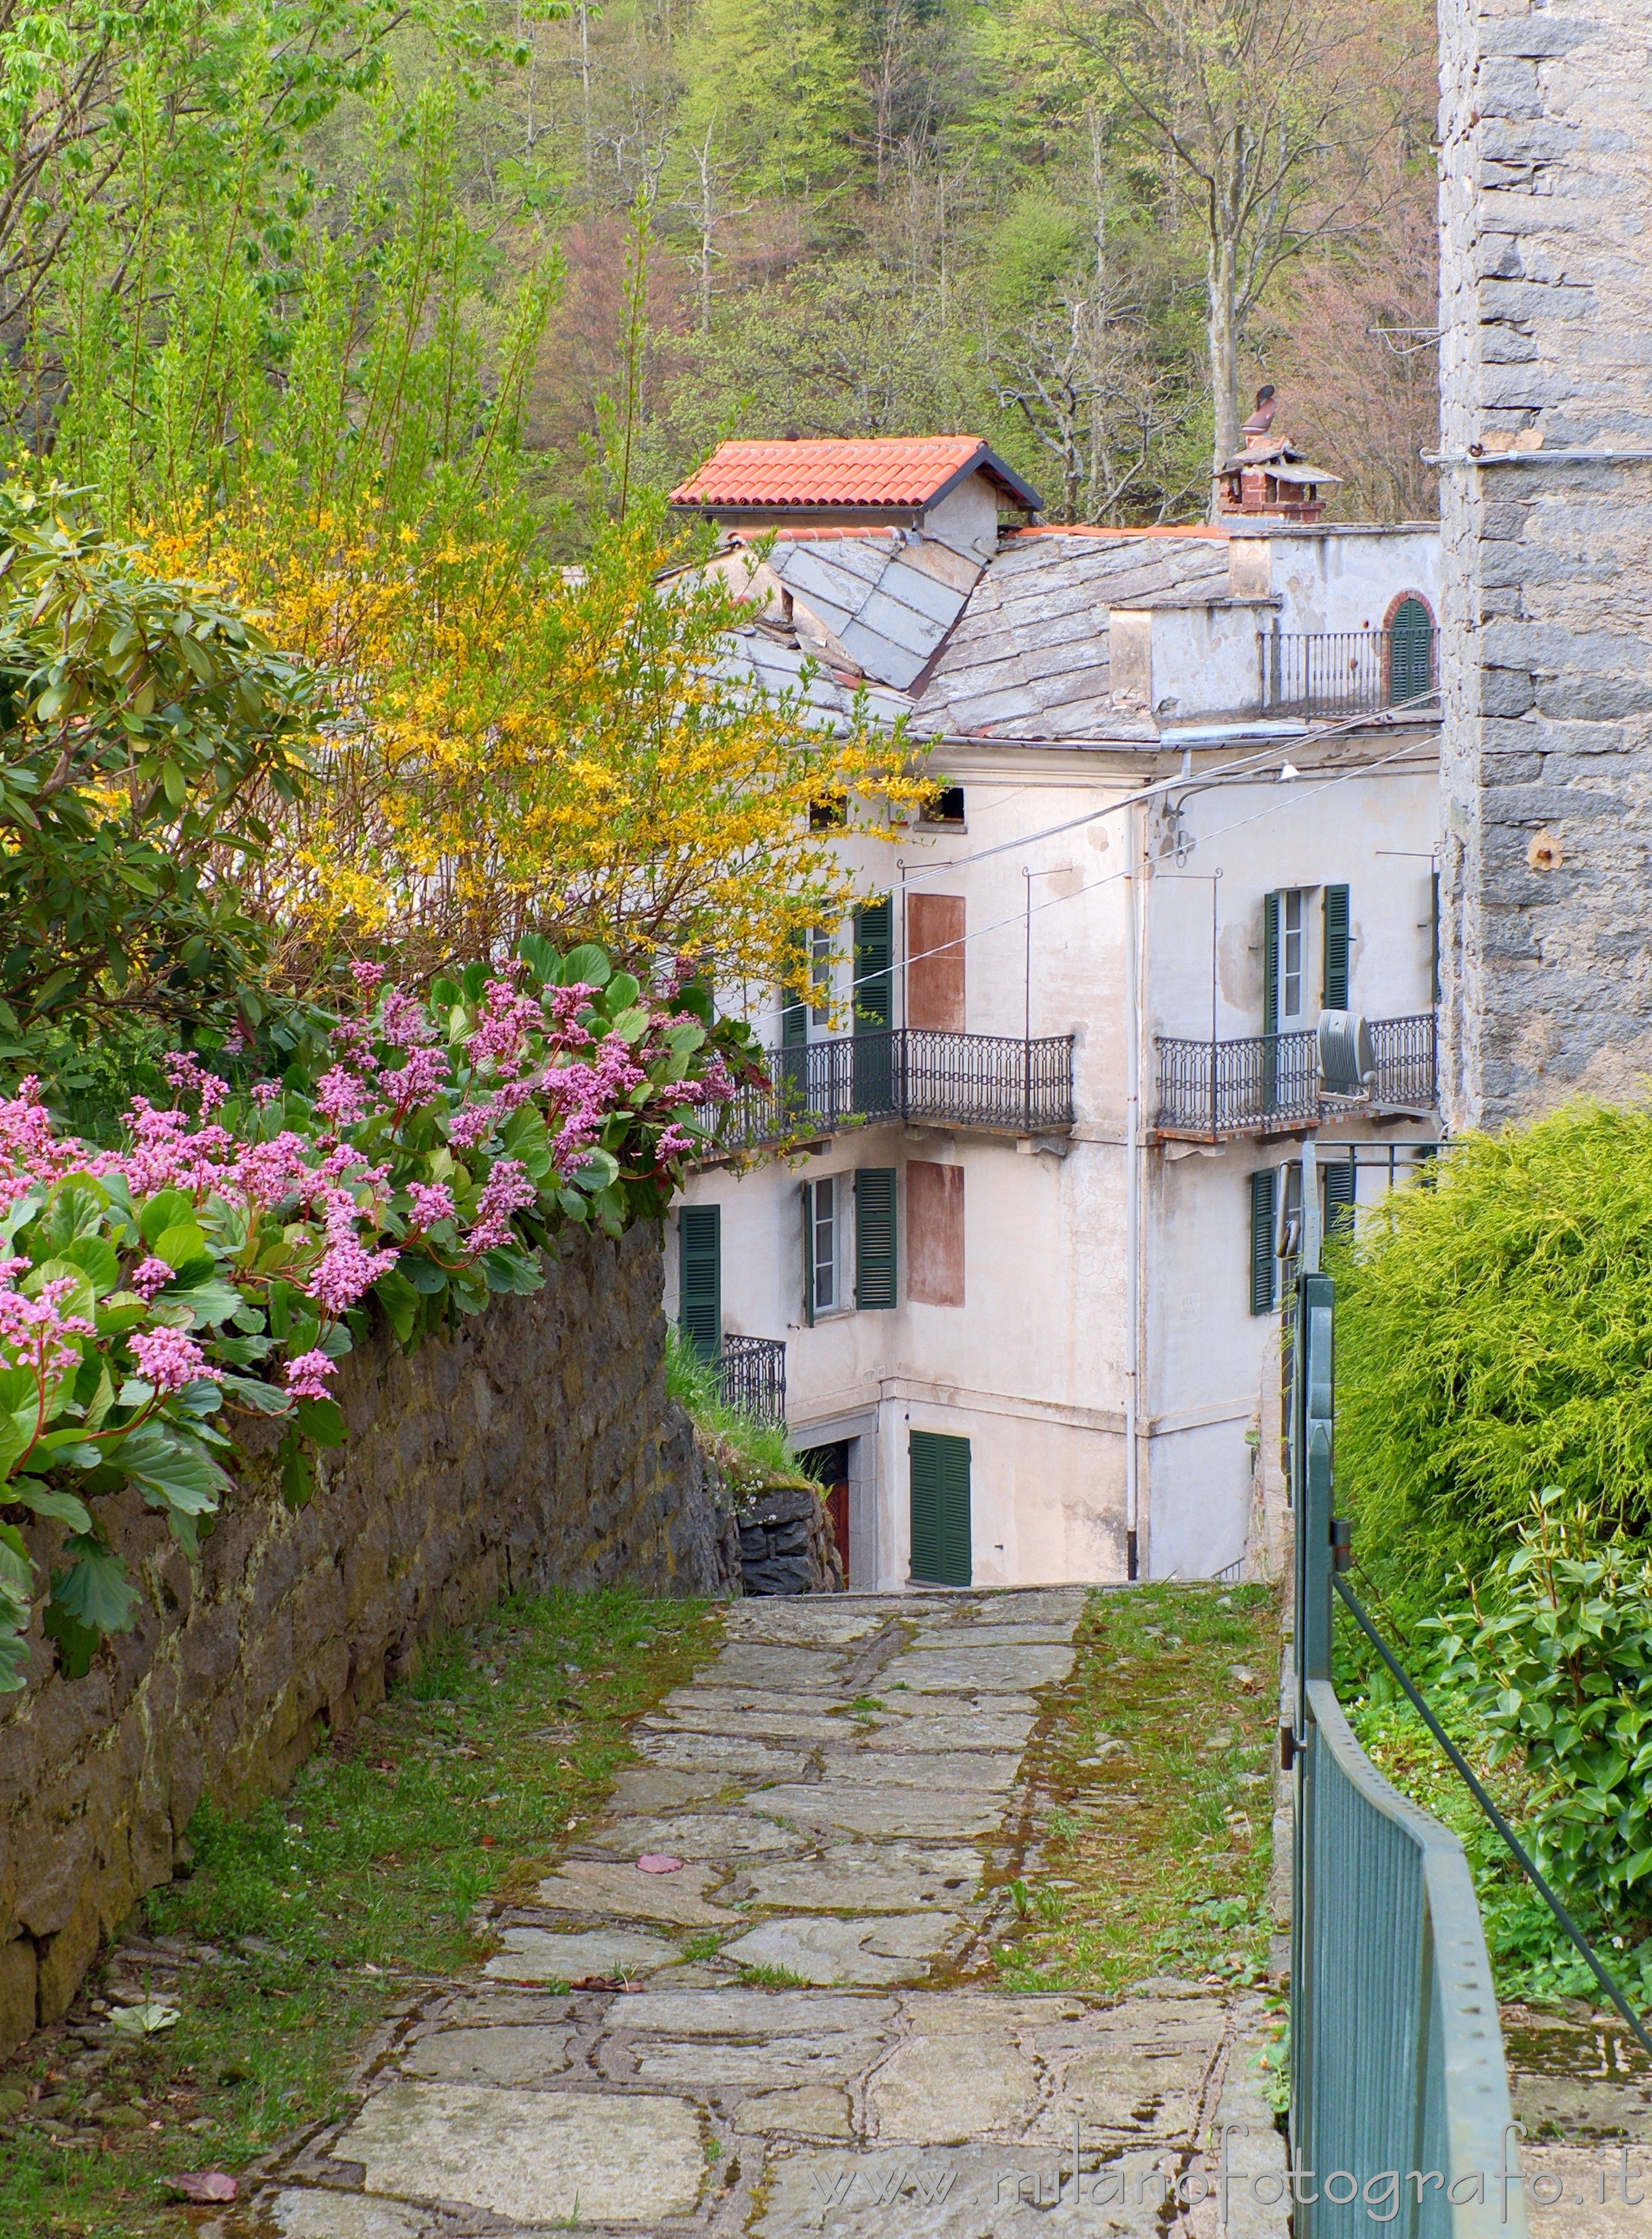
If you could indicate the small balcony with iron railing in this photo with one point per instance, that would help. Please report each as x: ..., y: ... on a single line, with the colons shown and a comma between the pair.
x: 1272, y: 1084
x: 920, y: 1075
x: 1322, y: 675
x: 751, y: 1376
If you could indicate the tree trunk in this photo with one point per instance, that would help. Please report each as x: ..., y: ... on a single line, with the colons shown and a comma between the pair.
x: 1223, y: 319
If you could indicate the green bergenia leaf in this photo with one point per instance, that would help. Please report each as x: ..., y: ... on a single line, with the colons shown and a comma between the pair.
x: 95, y: 1589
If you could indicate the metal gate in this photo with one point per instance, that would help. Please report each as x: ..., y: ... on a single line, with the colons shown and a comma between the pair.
x: 1400, y: 2116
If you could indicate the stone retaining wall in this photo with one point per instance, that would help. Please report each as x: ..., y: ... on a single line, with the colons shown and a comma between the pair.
x: 533, y: 1447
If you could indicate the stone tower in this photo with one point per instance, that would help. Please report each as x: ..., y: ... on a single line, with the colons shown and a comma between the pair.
x: 1546, y: 642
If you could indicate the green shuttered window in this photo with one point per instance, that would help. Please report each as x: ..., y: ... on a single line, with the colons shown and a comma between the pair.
x: 875, y: 1268
x: 1339, y: 1198
x: 1336, y: 941
x: 874, y: 999
x: 1264, y: 1200
x: 941, y: 1509
x: 1270, y: 964
x: 700, y: 1277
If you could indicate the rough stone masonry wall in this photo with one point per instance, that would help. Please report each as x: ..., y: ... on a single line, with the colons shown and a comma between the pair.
x: 1546, y: 306
x: 535, y: 1446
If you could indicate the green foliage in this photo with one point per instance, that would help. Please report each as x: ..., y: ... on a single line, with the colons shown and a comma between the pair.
x: 777, y: 88
x: 1493, y: 1336
x: 146, y: 725
x: 1032, y: 251
x: 1558, y: 1659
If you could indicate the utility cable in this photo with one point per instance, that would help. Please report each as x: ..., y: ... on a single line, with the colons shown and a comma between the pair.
x: 1297, y: 796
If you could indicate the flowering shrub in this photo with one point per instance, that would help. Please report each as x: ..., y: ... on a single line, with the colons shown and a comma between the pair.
x: 219, y: 1261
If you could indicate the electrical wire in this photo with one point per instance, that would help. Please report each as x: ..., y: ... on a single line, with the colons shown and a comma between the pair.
x: 1297, y: 796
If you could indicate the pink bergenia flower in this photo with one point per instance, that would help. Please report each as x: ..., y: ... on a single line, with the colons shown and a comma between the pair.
x: 270, y: 1172
x: 340, y: 1097
x: 505, y: 1025
x: 187, y: 1077
x: 367, y: 974
x: 264, y: 1093
x: 351, y: 1041
x: 430, y: 1202
x: 675, y: 1142
x: 471, y: 1126
x: 37, y: 1332
x: 403, y: 1021
x: 167, y: 1358
x: 416, y: 1082
x: 346, y: 1273
x: 508, y: 1190
x: 567, y: 1003
x: 149, y: 1277
x: 307, y: 1376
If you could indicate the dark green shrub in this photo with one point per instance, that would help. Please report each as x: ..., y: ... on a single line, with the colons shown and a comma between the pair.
x: 1494, y: 1336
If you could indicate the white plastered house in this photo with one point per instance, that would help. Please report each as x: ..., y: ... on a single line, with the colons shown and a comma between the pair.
x: 1022, y: 1251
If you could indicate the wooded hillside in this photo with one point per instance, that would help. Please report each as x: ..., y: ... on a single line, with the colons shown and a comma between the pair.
x: 1085, y: 229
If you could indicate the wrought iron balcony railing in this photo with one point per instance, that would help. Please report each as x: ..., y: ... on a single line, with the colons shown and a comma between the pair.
x: 751, y: 1371
x: 1343, y: 672
x: 1268, y: 1082
x: 911, y: 1074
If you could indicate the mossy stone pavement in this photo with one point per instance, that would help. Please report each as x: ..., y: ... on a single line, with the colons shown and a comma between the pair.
x: 808, y: 2039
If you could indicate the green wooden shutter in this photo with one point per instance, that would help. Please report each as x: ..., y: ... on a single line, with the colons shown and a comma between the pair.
x: 794, y: 1011
x: 875, y: 998
x: 808, y: 1254
x: 700, y: 1272
x: 1265, y: 1197
x: 1336, y: 939
x: 1270, y: 964
x: 1410, y: 651
x: 875, y: 1269
x: 941, y: 1509
x: 1339, y: 1197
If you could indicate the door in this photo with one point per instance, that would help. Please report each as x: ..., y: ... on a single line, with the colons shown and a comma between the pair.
x: 941, y: 1509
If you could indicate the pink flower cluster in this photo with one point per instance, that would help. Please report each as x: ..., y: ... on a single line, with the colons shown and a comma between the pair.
x: 505, y: 1023
x: 149, y: 1277
x: 306, y: 1376
x: 36, y: 1330
x: 167, y: 1358
x: 430, y: 1202
x: 508, y: 1190
x: 188, y: 1077
x: 345, y: 1269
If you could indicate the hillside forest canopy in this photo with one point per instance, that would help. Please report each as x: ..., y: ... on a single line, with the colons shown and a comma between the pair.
x: 1086, y: 230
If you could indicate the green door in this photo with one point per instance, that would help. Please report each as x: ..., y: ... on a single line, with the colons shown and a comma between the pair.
x: 940, y: 1505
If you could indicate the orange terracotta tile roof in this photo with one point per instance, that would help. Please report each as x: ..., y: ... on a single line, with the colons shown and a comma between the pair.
x: 876, y: 470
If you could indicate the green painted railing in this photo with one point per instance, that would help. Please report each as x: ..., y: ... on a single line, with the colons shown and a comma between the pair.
x: 1400, y: 2117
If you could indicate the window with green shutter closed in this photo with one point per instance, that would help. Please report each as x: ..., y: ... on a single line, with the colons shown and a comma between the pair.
x: 1340, y: 1190
x: 1336, y: 942
x: 700, y: 1278
x: 874, y: 994
x: 1264, y: 1200
x: 875, y: 1267
x: 1271, y: 963
x: 1410, y: 652
x: 941, y: 1509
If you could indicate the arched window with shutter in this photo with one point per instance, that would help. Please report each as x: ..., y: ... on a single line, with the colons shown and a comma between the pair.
x: 1410, y: 649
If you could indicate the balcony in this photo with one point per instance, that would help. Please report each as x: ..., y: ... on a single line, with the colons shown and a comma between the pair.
x: 916, y: 1074
x: 751, y: 1375
x: 1328, y: 673
x: 1269, y: 1083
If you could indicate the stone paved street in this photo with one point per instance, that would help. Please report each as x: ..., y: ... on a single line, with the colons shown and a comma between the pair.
x: 795, y: 2032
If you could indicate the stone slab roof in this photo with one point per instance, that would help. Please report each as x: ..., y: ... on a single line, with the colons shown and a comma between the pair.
x: 1028, y: 657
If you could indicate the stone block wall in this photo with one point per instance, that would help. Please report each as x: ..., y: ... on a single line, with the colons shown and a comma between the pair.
x: 533, y: 1447
x: 1546, y: 650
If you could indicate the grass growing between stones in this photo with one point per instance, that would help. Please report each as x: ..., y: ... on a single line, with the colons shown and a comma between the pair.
x: 301, y: 1928
x: 1157, y: 1847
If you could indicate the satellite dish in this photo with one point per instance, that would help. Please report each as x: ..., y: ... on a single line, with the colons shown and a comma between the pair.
x: 1346, y: 1066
